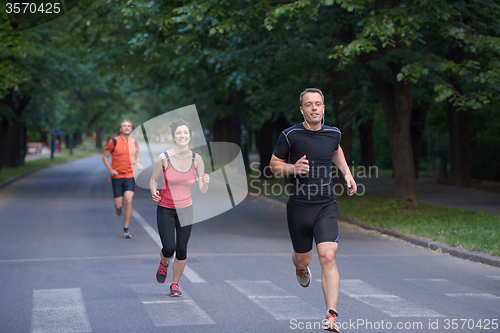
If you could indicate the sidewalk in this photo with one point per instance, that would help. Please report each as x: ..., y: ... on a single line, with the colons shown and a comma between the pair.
x: 432, y: 193
x: 33, y: 157
x: 438, y: 194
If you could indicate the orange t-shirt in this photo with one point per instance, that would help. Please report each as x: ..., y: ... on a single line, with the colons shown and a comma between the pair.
x: 123, y: 156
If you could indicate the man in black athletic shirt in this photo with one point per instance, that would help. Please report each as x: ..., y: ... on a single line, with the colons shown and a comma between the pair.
x: 305, y: 153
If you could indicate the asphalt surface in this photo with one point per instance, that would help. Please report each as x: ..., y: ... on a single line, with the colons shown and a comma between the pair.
x: 65, y: 267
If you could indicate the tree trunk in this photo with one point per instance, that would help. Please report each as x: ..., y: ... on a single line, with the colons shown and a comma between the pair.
x: 343, y: 117
x: 12, y: 143
x: 417, y: 126
x: 458, y: 132
x: 24, y: 144
x: 78, y: 138
x: 459, y: 146
x: 3, y: 138
x: 343, y: 114
x: 366, y: 143
x: 395, y: 98
x: 98, y: 137
x: 67, y: 141
x: 12, y: 136
x: 228, y: 129
x: 266, y: 141
x: 44, y: 138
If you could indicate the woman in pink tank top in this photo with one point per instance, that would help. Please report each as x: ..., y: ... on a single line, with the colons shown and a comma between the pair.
x: 181, y: 168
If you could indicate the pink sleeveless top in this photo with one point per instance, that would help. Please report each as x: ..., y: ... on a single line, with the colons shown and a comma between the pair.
x: 177, y: 190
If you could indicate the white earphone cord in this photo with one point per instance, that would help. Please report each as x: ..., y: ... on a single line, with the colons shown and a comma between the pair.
x: 308, y: 123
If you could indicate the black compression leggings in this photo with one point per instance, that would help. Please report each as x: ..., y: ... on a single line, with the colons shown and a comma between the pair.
x: 174, y: 237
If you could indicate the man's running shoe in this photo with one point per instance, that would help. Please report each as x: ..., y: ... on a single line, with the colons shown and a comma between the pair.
x: 126, y: 234
x: 118, y: 211
x: 175, y: 291
x: 161, y: 273
x: 329, y: 322
x: 303, y: 276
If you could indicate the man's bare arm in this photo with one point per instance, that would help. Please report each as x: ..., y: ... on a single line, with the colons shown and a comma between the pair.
x: 340, y: 162
x: 281, y: 168
x: 105, y: 158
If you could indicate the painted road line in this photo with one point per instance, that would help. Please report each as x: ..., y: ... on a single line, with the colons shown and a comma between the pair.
x: 276, y: 301
x: 192, y: 275
x: 475, y: 295
x: 151, y: 232
x: 495, y: 277
x: 451, y: 289
x: 392, y: 305
x: 188, y: 272
x: 174, y: 311
x: 59, y: 311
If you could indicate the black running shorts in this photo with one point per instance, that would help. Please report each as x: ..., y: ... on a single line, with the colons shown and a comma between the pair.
x: 120, y: 185
x: 306, y: 221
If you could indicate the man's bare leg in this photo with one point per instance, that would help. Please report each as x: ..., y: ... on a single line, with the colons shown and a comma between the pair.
x: 330, y: 279
x: 119, y: 203
x: 128, y: 197
x: 302, y: 260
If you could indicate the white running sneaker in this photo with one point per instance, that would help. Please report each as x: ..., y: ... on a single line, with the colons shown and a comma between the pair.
x: 329, y: 322
x: 303, y: 276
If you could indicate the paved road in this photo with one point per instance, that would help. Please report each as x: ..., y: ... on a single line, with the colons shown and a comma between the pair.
x: 64, y: 267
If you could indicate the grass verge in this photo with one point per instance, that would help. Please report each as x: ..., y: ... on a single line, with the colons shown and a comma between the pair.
x: 8, y: 173
x: 470, y: 230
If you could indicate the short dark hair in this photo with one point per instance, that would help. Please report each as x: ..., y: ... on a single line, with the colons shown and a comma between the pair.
x: 311, y: 90
x: 126, y: 121
x: 181, y: 122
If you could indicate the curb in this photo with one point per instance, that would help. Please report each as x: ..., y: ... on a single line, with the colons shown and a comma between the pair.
x: 478, y: 257
x: 17, y: 177
x: 29, y: 172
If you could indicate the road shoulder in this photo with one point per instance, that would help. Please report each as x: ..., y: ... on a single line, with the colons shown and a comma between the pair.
x: 478, y: 257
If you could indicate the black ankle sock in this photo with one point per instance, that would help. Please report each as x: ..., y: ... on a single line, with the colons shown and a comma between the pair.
x: 125, y: 229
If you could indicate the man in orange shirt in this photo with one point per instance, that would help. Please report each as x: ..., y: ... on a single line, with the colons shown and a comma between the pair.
x: 125, y: 155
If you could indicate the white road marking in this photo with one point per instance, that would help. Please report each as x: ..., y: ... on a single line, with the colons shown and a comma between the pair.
x: 166, y: 302
x: 265, y: 296
x: 474, y: 295
x: 275, y: 300
x: 176, y: 311
x: 495, y: 277
x: 188, y: 272
x: 152, y: 232
x: 59, y: 311
x: 192, y: 275
x: 392, y: 305
x: 452, y: 289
